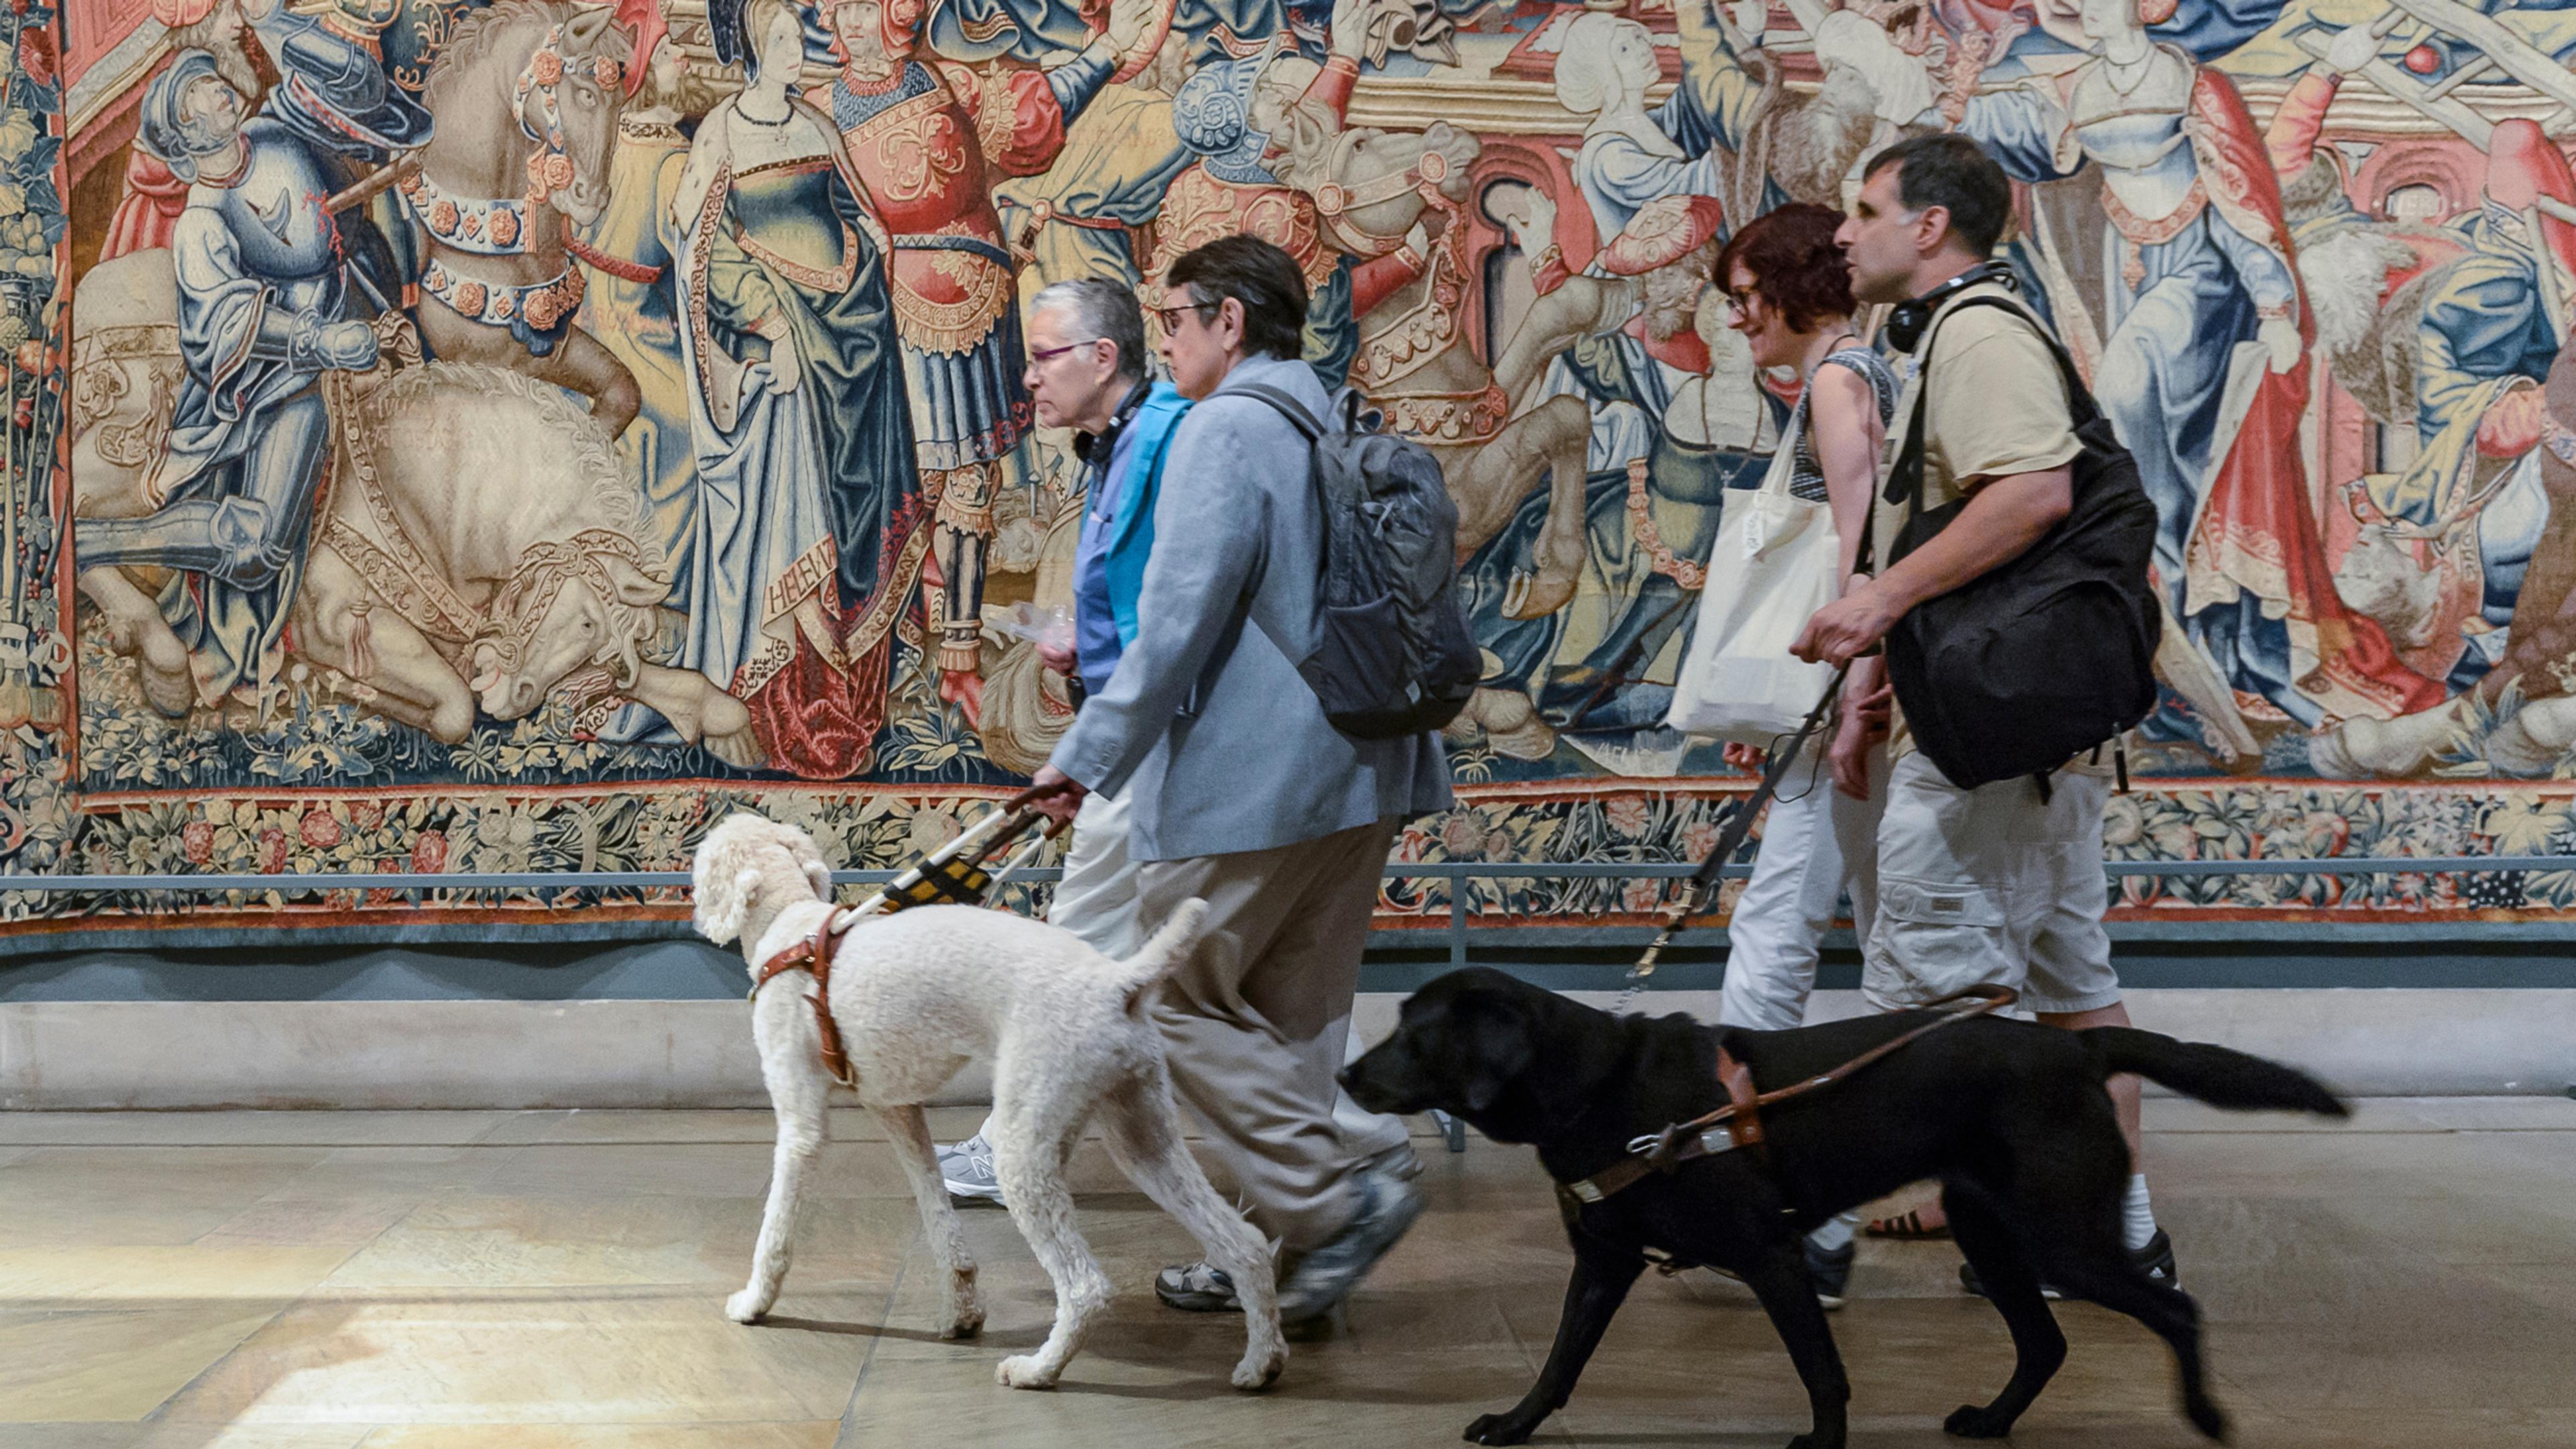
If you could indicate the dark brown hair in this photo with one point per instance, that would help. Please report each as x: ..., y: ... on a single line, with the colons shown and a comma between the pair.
x: 1794, y: 261
x: 1955, y: 172
x: 1260, y: 276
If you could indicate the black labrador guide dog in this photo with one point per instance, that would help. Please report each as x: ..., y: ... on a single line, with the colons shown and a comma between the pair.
x: 2009, y: 1115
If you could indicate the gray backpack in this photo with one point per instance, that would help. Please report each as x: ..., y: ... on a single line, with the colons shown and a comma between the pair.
x: 1392, y: 655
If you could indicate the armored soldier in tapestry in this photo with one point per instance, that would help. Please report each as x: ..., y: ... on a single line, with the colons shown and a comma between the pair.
x: 588, y: 406
x: 927, y: 137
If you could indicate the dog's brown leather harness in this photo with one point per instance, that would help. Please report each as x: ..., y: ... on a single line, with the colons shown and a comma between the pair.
x: 813, y: 955
x: 1739, y: 1122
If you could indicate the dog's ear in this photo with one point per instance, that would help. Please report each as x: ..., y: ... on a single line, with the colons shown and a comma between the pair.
x: 722, y: 905
x: 1495, y: 1039
x: 808, y: 857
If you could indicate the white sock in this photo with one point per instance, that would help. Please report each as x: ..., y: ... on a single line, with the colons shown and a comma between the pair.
x: 2137, y: 1216
x: 1835, y: 1233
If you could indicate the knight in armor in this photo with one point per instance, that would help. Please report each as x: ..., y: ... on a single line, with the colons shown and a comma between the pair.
x: 928, y: 138
x: 263, y: 313
x: 153, y: 197
x: 1235, y: 118
x: 338, y: 98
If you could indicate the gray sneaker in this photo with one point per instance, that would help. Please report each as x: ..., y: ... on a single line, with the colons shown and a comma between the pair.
x: 967, y: 1168
x: 1197, y: 1288
x: 1325, y: 1276
x: 1400, y: 1162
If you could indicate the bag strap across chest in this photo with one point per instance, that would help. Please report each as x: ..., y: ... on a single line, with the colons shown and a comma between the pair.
x: 1905, y: 475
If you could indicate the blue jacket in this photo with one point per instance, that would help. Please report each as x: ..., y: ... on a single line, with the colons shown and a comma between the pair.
x: 1132, y: 536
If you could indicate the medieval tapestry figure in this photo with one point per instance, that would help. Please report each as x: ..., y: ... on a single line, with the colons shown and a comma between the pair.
x: 263, y: 312
x: 810, y: 531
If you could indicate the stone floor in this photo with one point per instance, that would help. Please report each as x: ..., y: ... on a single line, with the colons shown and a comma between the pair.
x: 327, y: 1280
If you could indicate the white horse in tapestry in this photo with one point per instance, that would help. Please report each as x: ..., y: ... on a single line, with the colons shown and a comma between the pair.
x: 477, y: 550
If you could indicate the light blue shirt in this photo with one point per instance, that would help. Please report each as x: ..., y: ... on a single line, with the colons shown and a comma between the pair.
x: 1095, y: 627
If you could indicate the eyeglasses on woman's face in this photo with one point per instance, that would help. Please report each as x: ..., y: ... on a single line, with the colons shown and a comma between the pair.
x: 1050, y: 354
x: 1171, y: 316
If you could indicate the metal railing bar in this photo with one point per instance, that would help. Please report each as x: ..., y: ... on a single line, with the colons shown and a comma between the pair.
x: 1422, y: 870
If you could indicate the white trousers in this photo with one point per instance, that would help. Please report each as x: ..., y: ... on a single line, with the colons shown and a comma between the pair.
x: 1816, y: 844
x: 1096, y: 900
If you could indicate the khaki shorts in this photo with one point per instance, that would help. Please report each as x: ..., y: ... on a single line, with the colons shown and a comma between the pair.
x: 1991, y: 886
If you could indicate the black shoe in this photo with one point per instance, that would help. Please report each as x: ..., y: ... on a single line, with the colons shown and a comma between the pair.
x: 1831, y: 1273
x: 2156, y: 1260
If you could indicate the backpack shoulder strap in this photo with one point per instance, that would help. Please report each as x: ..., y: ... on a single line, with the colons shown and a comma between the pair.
x: 1286, y: 405
x: 1907, y: 476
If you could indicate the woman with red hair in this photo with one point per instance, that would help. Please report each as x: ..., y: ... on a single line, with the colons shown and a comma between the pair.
x: 1787, y: 291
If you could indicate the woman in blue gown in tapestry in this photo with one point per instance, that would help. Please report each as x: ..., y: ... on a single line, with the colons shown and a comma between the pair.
x: 810, y: 532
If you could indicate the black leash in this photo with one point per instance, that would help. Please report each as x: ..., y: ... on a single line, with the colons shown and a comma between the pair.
x: 1703, y: 882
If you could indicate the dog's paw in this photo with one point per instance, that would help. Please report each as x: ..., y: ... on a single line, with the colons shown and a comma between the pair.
x: 1259, y: 1370
x: 1499, y: 1429
x: 965, y: 1312
x: 2206, y: 1417
x: 1975, y: 1421
x: 747, y: 1306
x: 1024, y: 1371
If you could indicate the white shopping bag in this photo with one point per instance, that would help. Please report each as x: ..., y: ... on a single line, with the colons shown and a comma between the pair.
x: 1774, y: 566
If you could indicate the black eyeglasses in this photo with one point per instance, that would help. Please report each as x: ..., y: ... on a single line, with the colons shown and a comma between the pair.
x: 1050, y: 354
x: 1171, y: 316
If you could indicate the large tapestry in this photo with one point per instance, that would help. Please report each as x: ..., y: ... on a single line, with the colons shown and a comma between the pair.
x: 500, y: 435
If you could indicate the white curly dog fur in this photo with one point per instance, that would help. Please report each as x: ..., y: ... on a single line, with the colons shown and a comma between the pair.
x: 916, y: 995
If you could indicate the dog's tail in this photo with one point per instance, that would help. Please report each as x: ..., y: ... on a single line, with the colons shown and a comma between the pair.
x: 2224, y: 1078
x: 1152, y: 962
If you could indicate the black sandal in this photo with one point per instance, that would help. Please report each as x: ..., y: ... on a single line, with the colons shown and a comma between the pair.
x: 1907, y: 1227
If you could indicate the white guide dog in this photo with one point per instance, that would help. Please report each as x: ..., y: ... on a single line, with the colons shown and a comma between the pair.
x: 915, y: 996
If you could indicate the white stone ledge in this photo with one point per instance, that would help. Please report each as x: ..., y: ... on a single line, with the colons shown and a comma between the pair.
x: 605, y: 1054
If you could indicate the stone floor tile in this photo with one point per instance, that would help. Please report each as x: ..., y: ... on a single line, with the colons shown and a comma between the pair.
x: 114, y: 1363
x: 601, y: 1356
x: 558, y: 1281
x: 81, y: 1276
x: 138, y: 1195
x: 692, y: 1169
x: 812, y: 1434
x: 493, y: 1241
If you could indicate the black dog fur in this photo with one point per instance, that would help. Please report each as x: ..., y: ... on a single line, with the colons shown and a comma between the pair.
x: 2011, y: 1117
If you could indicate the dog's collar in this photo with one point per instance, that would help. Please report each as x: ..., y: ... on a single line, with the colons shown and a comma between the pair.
x: 1737, y: 1124
x: 812, y: 954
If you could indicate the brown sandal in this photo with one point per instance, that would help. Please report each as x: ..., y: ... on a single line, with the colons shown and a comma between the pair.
x: 1907, y: 1227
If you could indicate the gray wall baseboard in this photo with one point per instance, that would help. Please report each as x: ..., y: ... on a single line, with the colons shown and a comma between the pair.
x: 412, y: 1054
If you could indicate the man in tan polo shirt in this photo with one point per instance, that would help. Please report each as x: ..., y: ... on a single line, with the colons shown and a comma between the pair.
x: 2002, y: 884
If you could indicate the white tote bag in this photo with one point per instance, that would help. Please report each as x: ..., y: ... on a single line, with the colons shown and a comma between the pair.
x: 1774, y: 566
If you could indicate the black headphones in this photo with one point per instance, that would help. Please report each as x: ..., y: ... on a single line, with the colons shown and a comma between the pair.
x: 1086, y: 444
x: 1904, y: 326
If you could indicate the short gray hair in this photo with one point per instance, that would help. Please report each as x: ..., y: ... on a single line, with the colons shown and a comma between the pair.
x: 1101, y: 308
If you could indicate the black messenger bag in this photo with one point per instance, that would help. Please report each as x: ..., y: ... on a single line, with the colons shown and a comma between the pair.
x: 2051, y: 654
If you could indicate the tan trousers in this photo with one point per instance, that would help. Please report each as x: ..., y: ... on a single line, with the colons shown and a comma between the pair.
x: 1255, y: 1020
